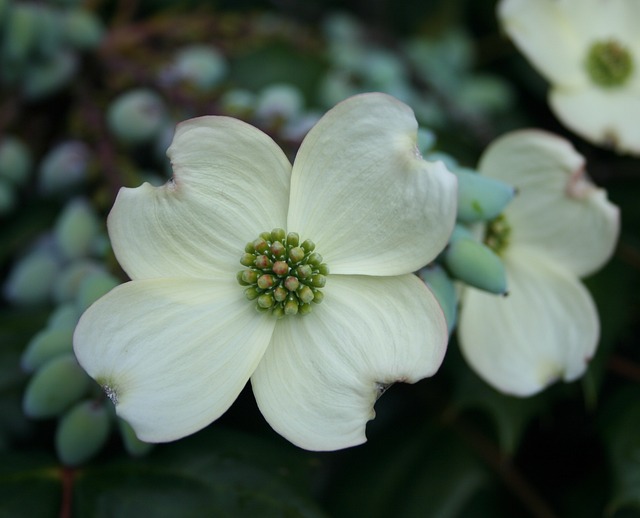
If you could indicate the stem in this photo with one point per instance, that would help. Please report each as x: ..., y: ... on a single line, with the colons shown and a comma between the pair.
x: 67, y: 492
x: 624, y: 367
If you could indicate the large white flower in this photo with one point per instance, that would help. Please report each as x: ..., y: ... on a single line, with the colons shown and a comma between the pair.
x: 589, y: 50
x: 559, y: 227
x: 174, y: 347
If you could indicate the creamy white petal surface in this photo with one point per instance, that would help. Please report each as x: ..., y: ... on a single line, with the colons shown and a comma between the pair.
x: 545, y: 329
x: 175, y: 353
x: 557, y: 209
x: 231, y: 182
x: 321, y: 375
x: 363, y: 194
x: 609, y: 118
x: 543, y: 33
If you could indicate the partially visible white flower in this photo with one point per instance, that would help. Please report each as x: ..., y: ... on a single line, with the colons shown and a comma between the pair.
x: 589, y: 50
x: 558, y: 228
x: 174, y: 347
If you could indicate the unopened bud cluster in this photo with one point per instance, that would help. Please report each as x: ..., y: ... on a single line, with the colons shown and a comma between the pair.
x: 283, y: 275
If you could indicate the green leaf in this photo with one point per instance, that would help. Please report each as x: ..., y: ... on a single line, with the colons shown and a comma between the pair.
x: 215, y: 473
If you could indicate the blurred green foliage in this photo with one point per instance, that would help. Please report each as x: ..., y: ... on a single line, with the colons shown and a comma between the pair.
x: 447, y: 447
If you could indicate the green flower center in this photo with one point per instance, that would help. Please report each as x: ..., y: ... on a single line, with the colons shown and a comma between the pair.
x: 283, y: 276
x: 497, y: 234
x: 609, y: 64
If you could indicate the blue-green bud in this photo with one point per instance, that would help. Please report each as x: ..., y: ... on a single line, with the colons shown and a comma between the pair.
x: 30, y: 281
x: 82, y: 432
x: 50, y: 30
x: 8, y: 197
x: 238, y: 102
x: 54, y: 387
x: 485, y: 94
x: 64, y: 167
x: 480, y: 198
x: 15, y: 161
x: 477, y: 265
x: 201, y: 66
x: 134, y: 446
x: 137, y: 116
x: 46, y: 345
x: 83, y: 30
x: 76, y: 228
x: 279, y: 102
x: 435, y: 277
x: 67, y: 284
x: 49, y: 75
x: 426, y: 140
x: 94, y: 286
x: 20, y: 32
x: 438, y: 156
x: 64, y: 316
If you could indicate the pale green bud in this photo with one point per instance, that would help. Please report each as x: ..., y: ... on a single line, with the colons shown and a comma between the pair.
x: 15, y: 161
x: 76, y: 228
x: 20, y: 32
x: 30, y: 281
x: 444, y: 290
x: 134, y: 446
x: 48, y: 75
x: 46, y: 345
x: 83, y: 30
x: 82, y: 432
x: 481, y: 198
x: 94, y: 286
x: 64, y: 167
x: 64, y: 316
x: 54, y: 387
x: 426, y: 140
x: 201, y: 66
x: 476, y: 265
x: 238, y: 102
x: 8, y: 197
x: 137, y: 116
x: 67, y: 284
x: 279, y: 102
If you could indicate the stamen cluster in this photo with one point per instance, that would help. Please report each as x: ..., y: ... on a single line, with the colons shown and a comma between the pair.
x: 283, y: 275
x: 609, y: 64
x: 498, y: 234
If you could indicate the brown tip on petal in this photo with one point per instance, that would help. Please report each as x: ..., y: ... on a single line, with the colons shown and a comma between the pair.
x: 579, y: 185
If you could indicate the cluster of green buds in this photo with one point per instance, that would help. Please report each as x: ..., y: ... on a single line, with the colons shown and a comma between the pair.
x: 283, y: 276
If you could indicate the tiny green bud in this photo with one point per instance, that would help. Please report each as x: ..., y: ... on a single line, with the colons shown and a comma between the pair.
x: 296, y: 254
x: 277, y: 249
x: 293, y: 239
x: 251, y: 293
x: 305, y: 294
x: 280, y: 294
x: 278, y: 312
x: 134, y: 446
x: 315, y: 259
x: 46, y: 345
x: 247, y: 259
x: 265, y: 301
x: 291, y: 283
x: 56, y: 385
x: 323, y: 269
x: 477, y: 265
x: 265, y: 282
x: 308, y: 245
x: 249, y: 276
x: 266, y: 236
x: 318, y: 296
x: 82, y: 432
x: 304, y: 309
x: 280, y: 268
x: 291, y: 307
x: 304, y: 271
x: 318, y: 280
x: 260, y: 245
x: 263, y: 262
x: 278, y: 234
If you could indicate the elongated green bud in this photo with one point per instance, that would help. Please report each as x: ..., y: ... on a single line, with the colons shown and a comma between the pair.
x: 480, y: 198
x: 54, y: 387
x: 82, y: 432
x: 476, y: 265
x: 441, y: 285
x: 134, y: 446
x: 46, y: 345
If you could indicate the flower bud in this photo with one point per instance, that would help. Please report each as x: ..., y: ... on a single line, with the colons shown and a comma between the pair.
x: 94, y: 286
x: 15, y: 161
x: 30, y: 281
x: 76, y: 228
x: 67, y: 284
x: 8, y: 197
x: 48, y: 75
x: 65, y: 315
x: 82, y: 432
x: 442, y: 287
x: 54, y: 387
x: 64, y: 167
x: 134, y: 446
x: 82, y: 29
x: 481, y: 198
x: 279, y: 102
x: 46, y: 345
x: 200, y: 66
x: 137, y: 116
x: 476, y: 265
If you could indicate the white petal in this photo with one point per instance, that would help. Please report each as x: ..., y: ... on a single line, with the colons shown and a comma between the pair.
x: 601, y: 20
x: 543, y: 30
x: 231, y: 182
x: 547, y: 328
x: 604, y: 117
x: 322, y: 373
x: 557, y: 209
x: 175, y: 353
x: 361, y: 192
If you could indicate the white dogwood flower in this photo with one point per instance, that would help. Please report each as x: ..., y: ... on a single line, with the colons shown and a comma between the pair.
x: 174, y: 347
x: 589, y: 50
x: 558, y: 228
